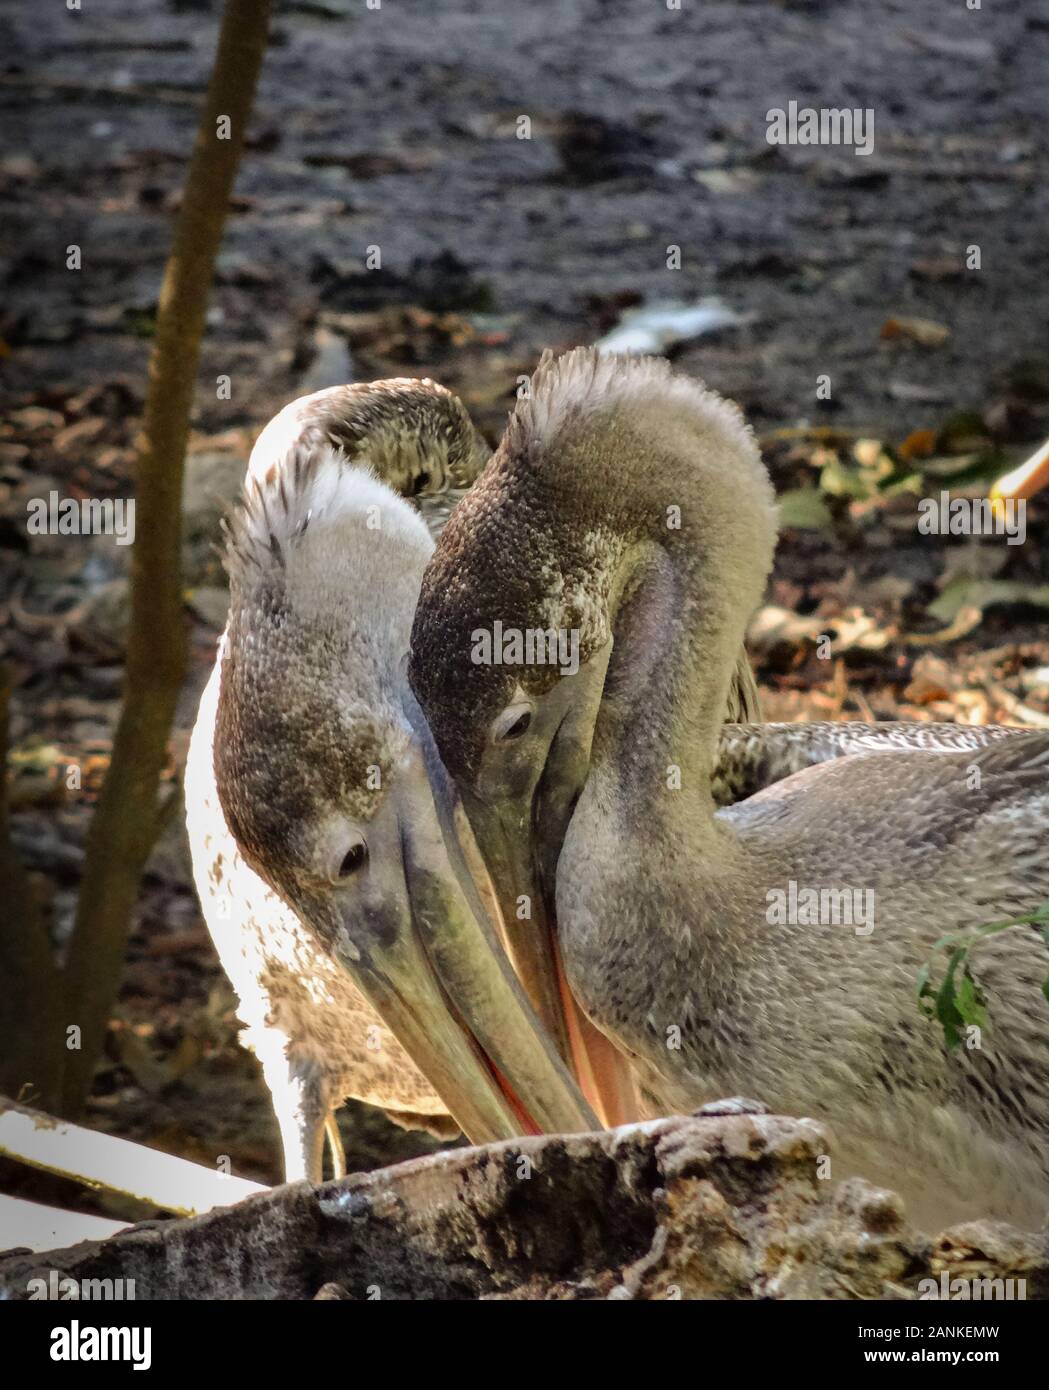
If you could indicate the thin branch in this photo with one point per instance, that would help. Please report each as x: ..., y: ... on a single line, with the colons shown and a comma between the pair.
x: 117, y: 1165
x: 34, y: 1226
x: 124, y: 825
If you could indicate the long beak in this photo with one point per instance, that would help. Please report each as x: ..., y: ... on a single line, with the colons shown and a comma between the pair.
x: 519, y: 835
x: 431, y: 965
x: 504, y: 838
x: 1030, y: 477
x: 530, y: 937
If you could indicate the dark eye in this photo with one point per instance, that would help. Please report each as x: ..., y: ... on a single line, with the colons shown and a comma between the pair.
x: 422, y: 482
x: 353, y: 859
x: 517, y: 728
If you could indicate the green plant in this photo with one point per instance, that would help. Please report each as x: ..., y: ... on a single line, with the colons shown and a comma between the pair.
x: 957, y: 1000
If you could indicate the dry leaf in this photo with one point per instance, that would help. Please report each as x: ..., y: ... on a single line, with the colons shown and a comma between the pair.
x: 920, y: 444
x: 925, y: 331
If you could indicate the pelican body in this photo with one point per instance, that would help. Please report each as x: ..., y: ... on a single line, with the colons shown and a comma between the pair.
x: 631, y: 507
x: 322, y: 826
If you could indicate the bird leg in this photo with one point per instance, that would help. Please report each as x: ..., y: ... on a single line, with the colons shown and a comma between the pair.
x: 338, y: 1153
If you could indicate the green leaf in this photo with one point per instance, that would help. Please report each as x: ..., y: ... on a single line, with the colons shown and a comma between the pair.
x: 970, y: 1004
x: 984, y: 594
x: 803, y: 509
x: 957, y: 1002
x: 947, y: 1010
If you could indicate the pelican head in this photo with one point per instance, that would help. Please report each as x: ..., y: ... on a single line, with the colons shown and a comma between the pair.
x: 551, y: 596
x: 413, y: 433
x: 332, y: 789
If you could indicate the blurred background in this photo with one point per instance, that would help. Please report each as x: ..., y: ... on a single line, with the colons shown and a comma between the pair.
x: 400, y: 128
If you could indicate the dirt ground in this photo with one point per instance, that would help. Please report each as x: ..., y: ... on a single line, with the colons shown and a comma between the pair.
x: 398, y: 128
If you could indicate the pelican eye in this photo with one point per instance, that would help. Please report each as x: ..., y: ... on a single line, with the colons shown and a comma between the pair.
x: 512, y: 723
x: 354, y: 858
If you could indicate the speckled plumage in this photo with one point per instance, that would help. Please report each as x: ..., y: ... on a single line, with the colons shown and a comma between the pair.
x: 542, y: 553
x: 662, y: 901
x: 411, y: 432
x: 753, y: 756
x: 668, y: 927
x: 325, y: 563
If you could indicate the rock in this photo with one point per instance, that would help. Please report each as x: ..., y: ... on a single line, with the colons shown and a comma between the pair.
x: 210, y: 604
x: 734, y: 1105
x: 331, y: 365
x: 213, y: 482
x: 721, y: 1206
x: 105, y: 614
x: 169, y: 859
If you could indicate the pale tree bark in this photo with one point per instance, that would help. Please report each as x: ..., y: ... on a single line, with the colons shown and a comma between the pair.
x: 124, y: 824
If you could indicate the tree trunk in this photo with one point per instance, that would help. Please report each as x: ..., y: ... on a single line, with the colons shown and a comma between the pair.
x: 124, y: 825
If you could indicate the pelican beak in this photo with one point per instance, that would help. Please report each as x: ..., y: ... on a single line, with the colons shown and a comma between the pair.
x: 425, y: 955
x: 519, y: 811
x: 1023, y: 482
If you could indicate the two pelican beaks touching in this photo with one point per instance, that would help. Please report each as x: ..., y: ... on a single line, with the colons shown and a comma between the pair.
x: 628, y: 900
x: 304, y: 735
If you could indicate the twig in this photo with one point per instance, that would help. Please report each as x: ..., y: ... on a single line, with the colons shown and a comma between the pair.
x: 34, y: 1226
x: 37, y: 85
x: 1014, y: 707
x: 116, y: 1165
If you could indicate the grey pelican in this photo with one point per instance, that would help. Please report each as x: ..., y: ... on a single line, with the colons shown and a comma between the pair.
x: 630, y: 508
x: 321, y: 825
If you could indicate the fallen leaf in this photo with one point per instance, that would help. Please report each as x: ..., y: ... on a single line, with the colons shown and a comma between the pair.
x: 915, y: 392
x: 855, y: 630
x: 931, y: 680
x: 804, y: 509
x: 925, y: 331
x: 982, y: 594
x: 920, y: 444
x: 773, y: 625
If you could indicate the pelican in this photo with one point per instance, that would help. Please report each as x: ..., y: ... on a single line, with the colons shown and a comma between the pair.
x: 322, y: 827
x: 630, y: 508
